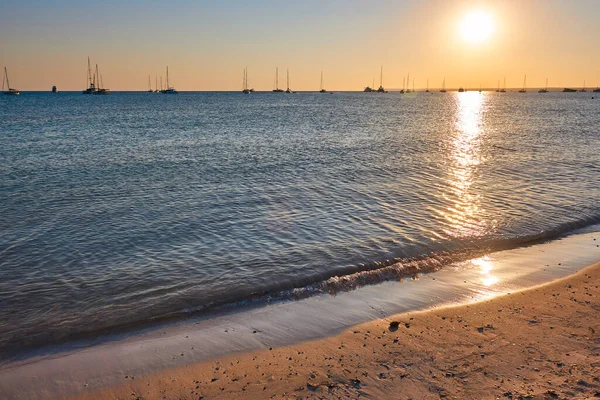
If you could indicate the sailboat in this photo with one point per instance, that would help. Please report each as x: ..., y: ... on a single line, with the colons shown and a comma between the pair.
x: 597, y: 90
x: 524, y: 85
x: 288, y: 90
x: 277, y: 90
x: 371, y: 88
x: 322, y: 89
x: 498, y: 90
x: 443, y: 89
x: 503, y: 90
x: 407, y: 83
x: 169, y: 89
x: 427, y: 89
x: 545, y: 90
x: 156, y: 84
x: 10, y: 91
x: 91, y: 80
x: 381, y: 89
x: 403, y: 85
x: 583, y: 90
x: 100, y: 89
x: 150, y: 86
x: 246, y: 89
x: 461, y: 90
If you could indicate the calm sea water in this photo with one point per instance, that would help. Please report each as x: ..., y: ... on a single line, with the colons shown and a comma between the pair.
x: 123, y: 209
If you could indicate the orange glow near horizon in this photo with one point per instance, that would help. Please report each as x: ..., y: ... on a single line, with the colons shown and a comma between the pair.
x: 464, y: 43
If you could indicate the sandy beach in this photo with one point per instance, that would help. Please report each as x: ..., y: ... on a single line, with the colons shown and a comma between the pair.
x: 540, y: 343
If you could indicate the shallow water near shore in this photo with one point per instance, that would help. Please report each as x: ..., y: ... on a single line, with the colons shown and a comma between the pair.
x: 63, y: 371
x: 132, y: 209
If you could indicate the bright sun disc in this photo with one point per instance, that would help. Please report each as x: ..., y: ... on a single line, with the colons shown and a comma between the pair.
x: 477, y: 27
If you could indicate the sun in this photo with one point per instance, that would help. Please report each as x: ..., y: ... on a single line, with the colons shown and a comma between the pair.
x: 477, y: 27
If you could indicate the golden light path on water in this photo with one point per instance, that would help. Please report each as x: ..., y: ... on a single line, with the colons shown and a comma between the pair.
x: 465, y: 157
x: 465, y: 215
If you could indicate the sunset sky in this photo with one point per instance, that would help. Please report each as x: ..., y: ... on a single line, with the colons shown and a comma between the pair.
x: 206, y: 44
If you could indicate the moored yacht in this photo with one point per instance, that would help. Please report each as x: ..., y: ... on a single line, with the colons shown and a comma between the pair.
x: 322, y: 89
x: 169, y: 89
x: 381, y: 89
x: 524, y: 90
x: 10, y: 91
x: 545, y: 90
x: 276, y: 89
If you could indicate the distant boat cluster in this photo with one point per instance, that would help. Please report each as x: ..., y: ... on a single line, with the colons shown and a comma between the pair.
x: 95, y: 85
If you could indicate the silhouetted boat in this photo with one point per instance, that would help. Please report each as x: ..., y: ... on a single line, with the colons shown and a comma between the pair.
x: 91, y: 80
x: 461, y: 90
x: 597, y: 90
x: 583, y: 90
x: 169, y: 89
x: 381, y: 89
x: 277, y: 90
x: 370, y: 89
x: 545, y: 90
x: 245, y: 88
x: 10, y: 91
x: 569, y: 90
x: 408, y: 83
x: 524, y: 90
x: 54, y: 90
x: 503, y: 90
x: 322, y: 89
x: 427, y: 89
x: 150, y: 86
x: 443, y: 89
x: 100, y: 87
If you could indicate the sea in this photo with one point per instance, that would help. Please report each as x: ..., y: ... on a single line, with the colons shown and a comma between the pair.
x: 133, y: 209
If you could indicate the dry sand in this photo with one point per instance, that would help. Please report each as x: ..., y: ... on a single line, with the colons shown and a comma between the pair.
x: 542, y: 343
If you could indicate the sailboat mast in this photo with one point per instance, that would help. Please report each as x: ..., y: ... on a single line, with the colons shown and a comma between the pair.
x: 381, y: 77
x: 427, y: 89
x: 7, y: 81
x: 89, y: 73
x: 403, y: 82
x: 276, y: 77
x: 321, y: 80
x: 546, y: 83
x: 167, y: 76
x: 288, y: 78
x: 96, y: 78
x: 525, y: 82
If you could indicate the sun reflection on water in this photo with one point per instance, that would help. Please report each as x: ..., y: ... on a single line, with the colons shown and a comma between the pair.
x: 485, y: 268
x: 464, y: 214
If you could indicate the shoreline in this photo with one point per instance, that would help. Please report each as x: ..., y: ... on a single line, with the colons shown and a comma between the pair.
x: 83, y: 369
x: 542, y: 342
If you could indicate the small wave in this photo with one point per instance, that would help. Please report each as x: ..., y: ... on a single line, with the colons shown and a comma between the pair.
x: 350, y: 278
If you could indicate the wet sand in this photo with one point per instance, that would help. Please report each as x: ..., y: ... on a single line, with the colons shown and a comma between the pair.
x: 541, y: 343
